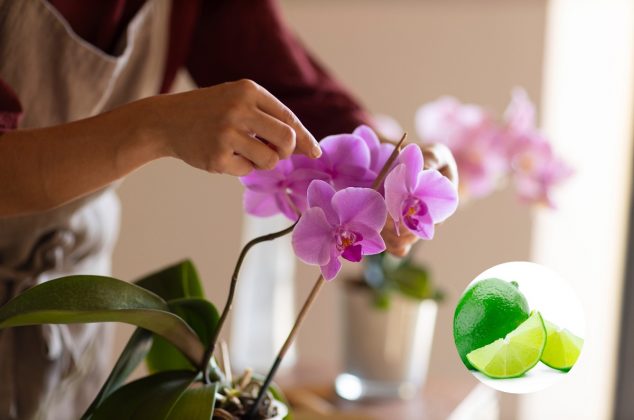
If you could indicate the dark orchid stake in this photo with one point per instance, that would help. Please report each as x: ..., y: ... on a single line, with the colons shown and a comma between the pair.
x: 232, y: 289
x: 312, y: 296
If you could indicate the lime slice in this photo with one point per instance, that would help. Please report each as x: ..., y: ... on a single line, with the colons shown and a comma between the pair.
x: 514, y: 354
x: 562, y: 348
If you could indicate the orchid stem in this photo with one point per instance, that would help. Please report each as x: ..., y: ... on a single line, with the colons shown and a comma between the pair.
x: 388, y: 163
x: 232, y: 289
x: 287, y: 344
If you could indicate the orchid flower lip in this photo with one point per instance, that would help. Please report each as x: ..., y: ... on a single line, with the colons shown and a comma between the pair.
x: 413, y: 210
x: 348, y: 243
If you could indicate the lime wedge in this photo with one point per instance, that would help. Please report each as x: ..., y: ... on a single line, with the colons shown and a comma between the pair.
x: 562, y: 348
x: 514, y: 354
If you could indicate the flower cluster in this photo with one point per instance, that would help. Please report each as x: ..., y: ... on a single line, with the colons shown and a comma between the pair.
x: 340, y: 214
x: 487, y: 151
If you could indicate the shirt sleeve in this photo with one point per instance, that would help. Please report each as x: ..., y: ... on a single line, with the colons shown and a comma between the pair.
x: 237, y: 39
x: 10, y: 108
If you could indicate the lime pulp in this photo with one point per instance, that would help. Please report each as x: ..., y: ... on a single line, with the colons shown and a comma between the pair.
x: 514, y: 354
x: 562, y: 348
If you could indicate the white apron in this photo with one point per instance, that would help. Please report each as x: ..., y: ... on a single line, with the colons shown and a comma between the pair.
x: 54, y: 371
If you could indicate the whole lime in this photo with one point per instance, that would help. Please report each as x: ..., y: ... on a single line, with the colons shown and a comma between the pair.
x: 489, y: 309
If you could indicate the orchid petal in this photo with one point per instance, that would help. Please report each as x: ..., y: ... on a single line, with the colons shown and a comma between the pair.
x: 268, y: 181
x: 362, y: 205
x: 368, y: 135
x: 434, y: 120
x: 520, y: 114
x: 380, y: 155
x: 353, y: 253
x: 353, y: 176
x: 347, y: 156
x: 396, y: 192
x: 330, y: 269
x: 312, y: 238
x: 346, y: 149
x: 300, y: 178
x: 293, y: 211
x: 412, y: 157
x: 260, y: 204
x: 438, y: 193
x: 320, y: 194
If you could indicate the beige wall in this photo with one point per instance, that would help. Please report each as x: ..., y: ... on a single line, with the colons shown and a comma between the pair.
x: 394, y: 55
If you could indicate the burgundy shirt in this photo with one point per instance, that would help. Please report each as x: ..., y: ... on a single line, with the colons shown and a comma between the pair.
x: 219, y: 41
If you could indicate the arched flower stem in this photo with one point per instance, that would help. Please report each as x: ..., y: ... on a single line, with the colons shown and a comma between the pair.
x: 232, y: 289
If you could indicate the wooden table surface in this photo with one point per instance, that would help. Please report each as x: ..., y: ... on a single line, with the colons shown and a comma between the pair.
x: 311, y: 391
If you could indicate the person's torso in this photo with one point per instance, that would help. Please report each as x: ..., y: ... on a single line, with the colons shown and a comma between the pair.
x: 59, y: 77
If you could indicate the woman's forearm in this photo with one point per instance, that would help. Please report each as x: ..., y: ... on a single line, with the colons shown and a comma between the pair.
x: 46, y: 167
x: 215, y: 129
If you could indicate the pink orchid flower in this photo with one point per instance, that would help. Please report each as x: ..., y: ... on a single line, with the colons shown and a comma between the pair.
x: 472, y: 136
x: 535, y: 169
x: 280, y: 190
x: 520, y: 113
x: 345, y: 223
x: 418, y: 198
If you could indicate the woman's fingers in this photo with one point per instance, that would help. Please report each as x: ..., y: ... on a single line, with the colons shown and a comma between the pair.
x: 274, y: 132
x: 305, y: 142
x: 261, y: 155
x: 238, y: 166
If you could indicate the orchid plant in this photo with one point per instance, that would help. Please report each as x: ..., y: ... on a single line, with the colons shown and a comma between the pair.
x: 338, y: 204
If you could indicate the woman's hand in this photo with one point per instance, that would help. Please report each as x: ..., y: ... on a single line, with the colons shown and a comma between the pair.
x: 215, y: 128
x: 439, y: 157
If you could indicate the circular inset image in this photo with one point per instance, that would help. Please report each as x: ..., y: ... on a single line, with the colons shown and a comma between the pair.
x: 519, y: 327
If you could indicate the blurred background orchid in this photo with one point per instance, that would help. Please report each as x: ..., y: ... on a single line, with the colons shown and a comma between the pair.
x: 490, y: 151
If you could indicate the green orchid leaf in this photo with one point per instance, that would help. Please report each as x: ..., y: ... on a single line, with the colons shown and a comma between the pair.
x: 196, y: 403
x: 174, y: 282
x: 177, y: 281
x: 163, y: 356
x: 83, y: 299
x: 151, y: 397
x: 133, y: 354
x: 201, y: 316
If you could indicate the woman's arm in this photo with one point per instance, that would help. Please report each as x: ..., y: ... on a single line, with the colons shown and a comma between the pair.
x: 212, y: 129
